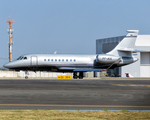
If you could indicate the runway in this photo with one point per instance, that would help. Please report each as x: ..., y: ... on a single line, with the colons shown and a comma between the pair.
x: 75, y: 94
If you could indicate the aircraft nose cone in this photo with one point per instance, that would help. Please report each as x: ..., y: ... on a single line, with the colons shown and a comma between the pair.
x: 7, y: 65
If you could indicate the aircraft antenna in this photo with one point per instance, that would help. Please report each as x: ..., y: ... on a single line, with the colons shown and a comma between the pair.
x: 55, y: 52
x: 10, y: 32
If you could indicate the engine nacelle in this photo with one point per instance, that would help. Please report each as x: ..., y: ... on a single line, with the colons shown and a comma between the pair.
x: 106, y: 59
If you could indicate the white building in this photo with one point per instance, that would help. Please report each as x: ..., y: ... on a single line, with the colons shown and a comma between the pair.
x: 141, y: 68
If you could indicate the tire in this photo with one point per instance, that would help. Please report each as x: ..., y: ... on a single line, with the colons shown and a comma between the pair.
x: 80, y: 77
x: 75, y: 77
x: 26, y: 77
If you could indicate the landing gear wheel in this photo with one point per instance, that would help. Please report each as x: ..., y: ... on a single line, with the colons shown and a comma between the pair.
x: 26, y: 77
x: 75, y: 75
x: 81, y: 75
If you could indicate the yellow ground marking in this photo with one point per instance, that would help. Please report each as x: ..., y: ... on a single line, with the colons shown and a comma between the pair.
x: 131, y: 85
x: 55, y: 105
x: 63, y: 76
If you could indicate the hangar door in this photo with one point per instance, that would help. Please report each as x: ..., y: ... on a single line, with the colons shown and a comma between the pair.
x: 145, y: 64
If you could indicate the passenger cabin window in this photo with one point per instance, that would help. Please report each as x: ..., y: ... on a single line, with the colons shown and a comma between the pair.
x: 20, y: 58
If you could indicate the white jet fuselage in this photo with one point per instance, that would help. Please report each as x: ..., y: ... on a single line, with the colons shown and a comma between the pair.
x: 66, y: 63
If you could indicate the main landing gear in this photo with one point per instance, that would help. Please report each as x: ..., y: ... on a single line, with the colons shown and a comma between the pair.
x: 80, y: 76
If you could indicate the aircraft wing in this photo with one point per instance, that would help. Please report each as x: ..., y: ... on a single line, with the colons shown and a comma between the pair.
x: 141, y: 51
x: 80, y: 69
x: 85, y: 70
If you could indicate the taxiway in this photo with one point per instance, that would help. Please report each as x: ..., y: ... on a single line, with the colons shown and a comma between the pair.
x: 75, y: 94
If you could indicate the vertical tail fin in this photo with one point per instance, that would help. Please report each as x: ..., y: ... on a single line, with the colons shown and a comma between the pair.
x: 125, y: 47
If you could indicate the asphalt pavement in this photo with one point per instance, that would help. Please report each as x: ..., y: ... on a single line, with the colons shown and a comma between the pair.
x: 75, y: 94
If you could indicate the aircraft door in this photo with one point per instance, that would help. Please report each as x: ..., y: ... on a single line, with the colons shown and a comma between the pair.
x: 34, y: 62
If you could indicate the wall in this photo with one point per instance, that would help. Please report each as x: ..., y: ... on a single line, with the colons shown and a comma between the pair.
x: 145, y: 64
x: 100, y: 44
x: 39, y: 74
x: 8, y: 74
x: 133, y: 69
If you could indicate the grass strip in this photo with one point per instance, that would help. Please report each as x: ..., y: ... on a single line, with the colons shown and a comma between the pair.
x: 72, y: 115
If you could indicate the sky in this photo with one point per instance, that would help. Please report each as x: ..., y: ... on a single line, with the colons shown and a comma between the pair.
x: 68, y: 26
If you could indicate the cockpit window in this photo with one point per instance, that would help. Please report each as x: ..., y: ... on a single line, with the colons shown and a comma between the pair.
x: 25, y: 58
x: 22, y: 58
x: 19, y: 58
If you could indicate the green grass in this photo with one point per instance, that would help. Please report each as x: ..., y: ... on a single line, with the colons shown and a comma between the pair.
x: 72, y: 115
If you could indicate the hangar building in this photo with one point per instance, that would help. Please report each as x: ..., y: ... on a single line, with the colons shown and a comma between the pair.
x: 140, y: 68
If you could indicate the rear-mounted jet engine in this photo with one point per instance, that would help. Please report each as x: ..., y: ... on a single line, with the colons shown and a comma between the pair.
x: 106, y: 59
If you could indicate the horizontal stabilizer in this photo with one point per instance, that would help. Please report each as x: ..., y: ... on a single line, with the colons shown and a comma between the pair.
x: 141, y: 51
x: 132, y: 50
x: 125, y: 49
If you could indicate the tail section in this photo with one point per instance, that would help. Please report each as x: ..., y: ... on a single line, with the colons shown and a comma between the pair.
x: 125, y: 47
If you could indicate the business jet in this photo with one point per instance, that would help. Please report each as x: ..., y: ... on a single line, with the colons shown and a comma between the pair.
x: 121, y: 55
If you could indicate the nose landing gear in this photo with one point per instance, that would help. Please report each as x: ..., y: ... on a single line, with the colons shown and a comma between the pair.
x: 26, y: 74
